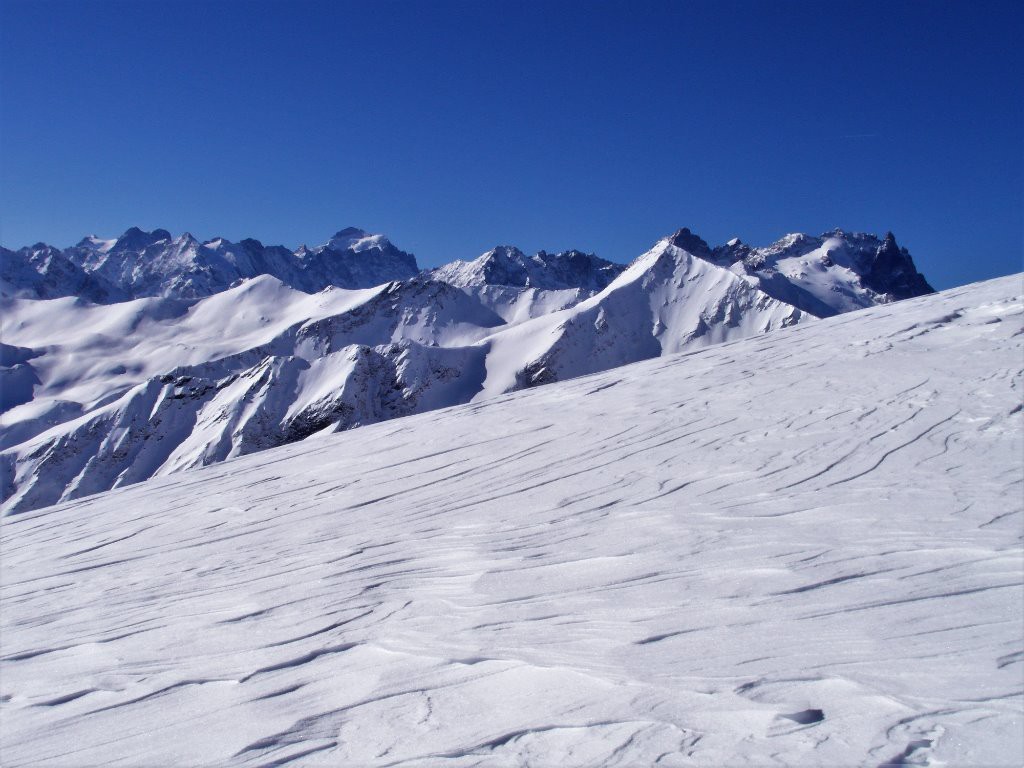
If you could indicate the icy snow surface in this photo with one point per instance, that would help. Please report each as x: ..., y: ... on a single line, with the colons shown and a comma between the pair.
x: 797, y: 548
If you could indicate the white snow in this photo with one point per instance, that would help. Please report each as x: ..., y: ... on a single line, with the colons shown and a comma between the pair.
x: 353, y: 239
x: 667, y: 301
x: 85, y: 342
x: 826, y: 275
x: 98, y: 243
x: 797, y: 548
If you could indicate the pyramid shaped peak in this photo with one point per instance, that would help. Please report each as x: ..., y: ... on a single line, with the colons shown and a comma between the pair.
x: 688, y: 241
x: 355, y: 239
x: 138, y: 239
x: 351, y: 232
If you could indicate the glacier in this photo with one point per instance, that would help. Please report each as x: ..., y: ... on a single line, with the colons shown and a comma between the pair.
x: 794, y: 548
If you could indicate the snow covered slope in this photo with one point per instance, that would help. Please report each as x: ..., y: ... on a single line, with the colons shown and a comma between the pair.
x: 111, y: 395
x: 798, y: 548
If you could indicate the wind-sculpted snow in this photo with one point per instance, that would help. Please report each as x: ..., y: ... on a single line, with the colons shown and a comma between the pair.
x: 799, y: 548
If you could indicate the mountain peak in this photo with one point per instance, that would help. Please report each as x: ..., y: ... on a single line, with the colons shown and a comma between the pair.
x: 94, y: 243
x: 350, y: 233
x: 138, y: 239
x: 690, y: 242
x: 506, y: 265
x: 355, y: 239
x: 503, y: 251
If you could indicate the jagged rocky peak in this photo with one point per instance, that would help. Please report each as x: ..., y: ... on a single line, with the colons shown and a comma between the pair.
x: 835, y: 272
x: 354, y: 258
x: 356, y: 240
x: 43, y: 272
x: 504, y: 251
x: 506, y: 265
x: 734, y: 250
x: 94, y: 243
x: 500, y: 255
x: 186, y: 240
x: 690, y: 242
x: 141, y: 263
x: 359, y: 240
x: 892, y: 271
x: 135, y: 239
x: 350, y: 238
x: 42, y: 250
x: 352, y: 232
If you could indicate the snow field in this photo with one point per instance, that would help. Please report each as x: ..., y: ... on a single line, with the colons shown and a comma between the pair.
x: 797, y: 548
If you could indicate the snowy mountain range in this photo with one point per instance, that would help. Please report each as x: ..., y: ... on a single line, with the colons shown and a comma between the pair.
x: 139, y: 356
x: 801, y: 548
x: 139, y: 264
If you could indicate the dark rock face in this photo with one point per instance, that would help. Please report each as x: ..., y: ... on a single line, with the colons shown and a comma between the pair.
x: 505, y: 265
x: 892, y: 271
x: 574, y: 269
x: 135, y: 239
x: 690, y: 242
x: 731, y: 252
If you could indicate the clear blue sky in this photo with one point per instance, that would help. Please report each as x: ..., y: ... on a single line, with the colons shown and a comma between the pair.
x: 453, y: 127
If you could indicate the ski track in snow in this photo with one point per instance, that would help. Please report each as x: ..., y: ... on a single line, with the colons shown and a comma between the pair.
x: 798, y: 548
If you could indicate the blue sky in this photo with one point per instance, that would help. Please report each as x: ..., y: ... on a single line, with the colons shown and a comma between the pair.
x: 454, y: 127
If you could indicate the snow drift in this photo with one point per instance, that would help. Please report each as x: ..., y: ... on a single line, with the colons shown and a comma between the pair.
x: 795, y: 548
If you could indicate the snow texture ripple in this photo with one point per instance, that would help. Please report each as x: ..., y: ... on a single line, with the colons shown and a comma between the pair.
x: 797, y: 548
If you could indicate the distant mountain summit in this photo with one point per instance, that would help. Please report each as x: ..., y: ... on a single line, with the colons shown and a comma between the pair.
x: 139, y: 264
x: 353, y: 258
x: 507, y: 265
x: 825, y: 275
x: 43, y: 272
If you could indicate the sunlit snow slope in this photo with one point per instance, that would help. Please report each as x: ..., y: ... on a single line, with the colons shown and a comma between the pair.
x: 798, y: 548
